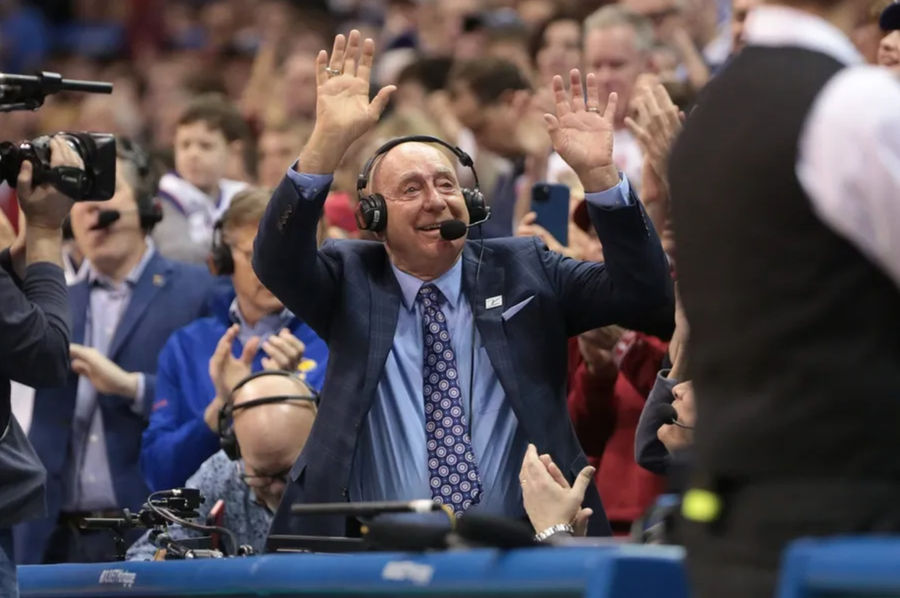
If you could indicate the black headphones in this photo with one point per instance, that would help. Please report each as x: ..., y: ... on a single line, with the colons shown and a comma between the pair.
x: 149, y: 207
x: 227, y: 438
x: 371, y: 213
x: 220, y: 262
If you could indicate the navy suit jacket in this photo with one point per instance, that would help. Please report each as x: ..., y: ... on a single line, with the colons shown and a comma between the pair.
x: 349, y: 295
x: 167, y: 296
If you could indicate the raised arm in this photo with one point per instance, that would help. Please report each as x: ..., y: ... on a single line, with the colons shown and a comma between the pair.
x: 34, y: 320
x: 633, y: 288
x: 285, y: 256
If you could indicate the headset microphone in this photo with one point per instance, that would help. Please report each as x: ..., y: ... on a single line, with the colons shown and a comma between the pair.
x: 106, y: 218
x: 667, y: 414
x: 454, y: 229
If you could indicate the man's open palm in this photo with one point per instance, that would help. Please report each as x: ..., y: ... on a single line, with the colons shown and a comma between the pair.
x: 581, y: 130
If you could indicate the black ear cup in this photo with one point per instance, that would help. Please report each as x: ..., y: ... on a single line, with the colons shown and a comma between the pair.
x: 371, y: 213
x: 220, y: 261
x: 227, y: 440
x: 478, y: 210
x: 152, y: 216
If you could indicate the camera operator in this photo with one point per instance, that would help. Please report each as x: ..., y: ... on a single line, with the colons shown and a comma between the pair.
x: 34, y: 341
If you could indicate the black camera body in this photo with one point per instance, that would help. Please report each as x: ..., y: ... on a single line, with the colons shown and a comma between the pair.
x: 97, y: 150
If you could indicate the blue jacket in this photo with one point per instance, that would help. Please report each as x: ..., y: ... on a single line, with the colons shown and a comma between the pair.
x: 348, y: 293
x: 167, y: 295
x: 177, y: 440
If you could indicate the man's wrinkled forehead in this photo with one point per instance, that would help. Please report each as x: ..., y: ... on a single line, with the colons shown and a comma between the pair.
x: 411, y: 160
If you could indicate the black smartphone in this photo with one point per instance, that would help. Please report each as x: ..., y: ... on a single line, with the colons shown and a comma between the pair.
x: 551, y: 203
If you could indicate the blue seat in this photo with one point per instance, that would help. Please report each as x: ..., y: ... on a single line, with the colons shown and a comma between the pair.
x: 841, y: 567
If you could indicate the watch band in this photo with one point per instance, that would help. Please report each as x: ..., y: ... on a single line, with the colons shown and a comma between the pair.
x: 554, y: 529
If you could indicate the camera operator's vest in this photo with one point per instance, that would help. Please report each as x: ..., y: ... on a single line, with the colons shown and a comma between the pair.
x: 794, y: 346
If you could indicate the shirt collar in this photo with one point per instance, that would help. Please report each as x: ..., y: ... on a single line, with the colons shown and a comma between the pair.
x: 282, y: 318
x: 770, y: 25
x: 449, y: 283
x: 132, y: 277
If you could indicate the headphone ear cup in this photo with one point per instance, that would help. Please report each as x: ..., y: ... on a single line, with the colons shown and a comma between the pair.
x: 475, y: 204
x: 220, y: 261
x: 150, y: 218
x: 223, y: 260
x: 229, y: 445
x: 227, y: 439
x: 371, y: 213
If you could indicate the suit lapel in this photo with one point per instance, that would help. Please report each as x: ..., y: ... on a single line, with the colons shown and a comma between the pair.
x: 490, y: 284
x: 384, y: 310
x: 152, y: 280
x: 79, y: 304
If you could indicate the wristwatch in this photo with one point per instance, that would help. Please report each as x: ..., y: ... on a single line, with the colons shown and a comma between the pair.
x: 553, y: 530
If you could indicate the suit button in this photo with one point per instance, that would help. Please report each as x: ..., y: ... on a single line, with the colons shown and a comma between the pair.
x: 344, y: 492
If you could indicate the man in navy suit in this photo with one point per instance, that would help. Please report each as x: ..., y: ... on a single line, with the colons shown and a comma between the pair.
x: 88, y: 433
x: 445, y: 364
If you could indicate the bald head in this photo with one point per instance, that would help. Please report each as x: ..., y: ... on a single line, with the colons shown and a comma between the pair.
x: 273, y: 434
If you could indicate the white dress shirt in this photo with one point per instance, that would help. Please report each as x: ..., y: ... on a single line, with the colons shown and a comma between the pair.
x: 849, y: 149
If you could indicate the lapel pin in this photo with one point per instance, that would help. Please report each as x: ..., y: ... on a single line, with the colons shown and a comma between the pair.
x: 159, y: 280
x: 492, y: 302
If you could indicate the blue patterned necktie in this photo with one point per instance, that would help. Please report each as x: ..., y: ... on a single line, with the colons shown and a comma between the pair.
x: 453, y: 473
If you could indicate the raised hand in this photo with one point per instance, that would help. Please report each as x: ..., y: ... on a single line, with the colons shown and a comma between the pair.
x: 582, y: 134
x: 548, y: 498
x: 658, y: 123
x: 285, y: 351
x: 343, y: 110
x: 226, y: 371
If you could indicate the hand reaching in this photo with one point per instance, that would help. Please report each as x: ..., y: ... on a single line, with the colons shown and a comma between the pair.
x: 658, y: 123
x: 583, y: 135
x: 224, y: 369
x: 105, y: 375
x: 528, y: 227
x: 549, y: 499
x: 44, y: 205
x: 285, y: 351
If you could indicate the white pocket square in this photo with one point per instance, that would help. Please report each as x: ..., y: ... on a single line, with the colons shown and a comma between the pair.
x: 509, y: 313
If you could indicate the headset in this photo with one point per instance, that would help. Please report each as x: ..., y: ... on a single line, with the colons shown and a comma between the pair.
x: 149, y: 207
x: 227, y: 438
x: 371, y: 213
x: 220, y: 261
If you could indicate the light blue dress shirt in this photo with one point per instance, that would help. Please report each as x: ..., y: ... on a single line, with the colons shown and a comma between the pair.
x: 268, y: 325
x: 91, y: 486
x: 391, y: 458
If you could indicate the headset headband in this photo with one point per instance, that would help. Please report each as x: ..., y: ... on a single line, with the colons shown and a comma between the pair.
x: 465, y: 159
x: 262, y: 373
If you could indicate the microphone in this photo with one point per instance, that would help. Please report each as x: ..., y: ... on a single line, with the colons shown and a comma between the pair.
x: 27, y: 92
x: 667, y: 414
x: 404, y: 536
x: 365, y: 509
x: 53, y: 82
x: 499, y: 532
x: 451, y: 230
x: 106, y: 218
